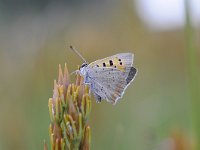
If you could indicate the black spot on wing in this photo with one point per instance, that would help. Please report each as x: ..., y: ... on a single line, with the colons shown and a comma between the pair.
x: 111, y: 63
x: 104, y: 64
x: 131, y: 75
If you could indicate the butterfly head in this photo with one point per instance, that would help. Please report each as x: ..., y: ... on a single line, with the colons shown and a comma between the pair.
x: 84, y: 65
x: 82, y: 69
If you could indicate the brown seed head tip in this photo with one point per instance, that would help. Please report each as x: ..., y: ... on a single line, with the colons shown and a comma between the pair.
x: 66, y: 73
x: 78, y: 79
x: 50, y: 109
x: 45, y: 145
x: 55, y: 85
x: 60, y: 75
x: 87, y: 139
x: 66, y: 77
x: 55, y: 90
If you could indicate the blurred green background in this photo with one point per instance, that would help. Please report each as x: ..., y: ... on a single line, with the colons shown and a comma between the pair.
x: 157, y: 110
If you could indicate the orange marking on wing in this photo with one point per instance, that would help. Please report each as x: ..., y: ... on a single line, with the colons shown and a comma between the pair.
x: 117, y: 61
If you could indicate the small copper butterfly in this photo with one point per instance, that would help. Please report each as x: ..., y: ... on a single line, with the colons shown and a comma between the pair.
x: 108, y: 78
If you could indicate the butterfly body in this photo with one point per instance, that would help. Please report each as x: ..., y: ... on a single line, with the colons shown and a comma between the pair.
x: 108, y: 78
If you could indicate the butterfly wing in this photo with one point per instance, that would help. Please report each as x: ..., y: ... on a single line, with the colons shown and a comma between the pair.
x: 119, y: 61
x: 109, y: 83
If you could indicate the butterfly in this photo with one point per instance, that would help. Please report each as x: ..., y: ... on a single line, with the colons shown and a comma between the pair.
x: 108, y: 78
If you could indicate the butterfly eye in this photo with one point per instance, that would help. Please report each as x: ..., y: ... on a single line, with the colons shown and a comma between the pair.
x: 83, y: 65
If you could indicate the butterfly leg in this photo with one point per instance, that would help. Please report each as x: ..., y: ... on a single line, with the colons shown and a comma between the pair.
x: 88, y: 80
x: 74, y: 72
x: 98, y: 98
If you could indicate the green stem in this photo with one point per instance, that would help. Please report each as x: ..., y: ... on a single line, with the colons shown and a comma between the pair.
x: 191, y: 53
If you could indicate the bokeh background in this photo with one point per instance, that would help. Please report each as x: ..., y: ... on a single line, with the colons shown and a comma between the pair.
x: 159, y: 111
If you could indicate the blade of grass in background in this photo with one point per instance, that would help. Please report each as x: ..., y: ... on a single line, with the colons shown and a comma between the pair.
x: 191, y: 54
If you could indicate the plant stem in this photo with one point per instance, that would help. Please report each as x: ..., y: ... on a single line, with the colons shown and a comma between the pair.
x: 191, y: 53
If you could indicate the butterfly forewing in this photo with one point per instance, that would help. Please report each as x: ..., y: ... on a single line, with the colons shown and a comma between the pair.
x: 118, y: 61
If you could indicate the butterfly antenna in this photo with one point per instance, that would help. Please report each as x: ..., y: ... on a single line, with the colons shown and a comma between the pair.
x: 78, y: 54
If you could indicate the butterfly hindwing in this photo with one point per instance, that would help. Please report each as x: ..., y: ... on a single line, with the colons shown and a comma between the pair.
x: 109, y: 83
